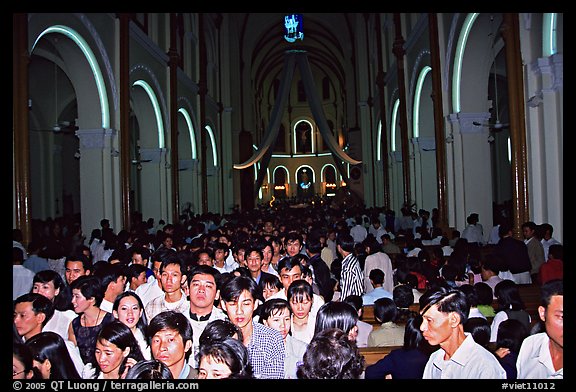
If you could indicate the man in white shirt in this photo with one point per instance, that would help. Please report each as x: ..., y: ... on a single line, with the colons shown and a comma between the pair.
x: 444, y: 313
x: 203, y: 292
x: 153, y: 288
x: 541, y: 355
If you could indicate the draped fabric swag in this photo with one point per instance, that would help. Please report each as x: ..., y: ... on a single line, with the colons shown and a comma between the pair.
x: 264, y: 151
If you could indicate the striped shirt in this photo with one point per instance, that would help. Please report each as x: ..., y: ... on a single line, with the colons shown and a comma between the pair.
x: 351, y: 278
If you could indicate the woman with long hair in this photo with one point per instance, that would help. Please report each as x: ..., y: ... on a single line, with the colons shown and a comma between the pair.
x: 51, y: 357
x: 116, y: 350
x: 129, y: 310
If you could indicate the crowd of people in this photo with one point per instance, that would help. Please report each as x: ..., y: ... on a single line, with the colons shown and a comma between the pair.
x: 279, y: 293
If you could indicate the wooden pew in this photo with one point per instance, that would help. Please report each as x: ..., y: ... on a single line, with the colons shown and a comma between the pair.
x: 374, y: 354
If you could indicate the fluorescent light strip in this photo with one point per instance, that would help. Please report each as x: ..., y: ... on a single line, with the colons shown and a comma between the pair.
x: 78, y: 40
x: 156, y: 107
x: 188, y: 120
x: 462, y: 39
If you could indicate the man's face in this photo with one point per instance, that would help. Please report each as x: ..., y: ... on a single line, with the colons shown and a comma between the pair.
x: 137, y: 259
x: 553, y: 317
x: 171, y: 278
x: 267, y: 252
x: 27, y: 322
x: 156, y: 269
x: 527, y: 232
x: 254, y: 262
x: 293, y: 247
x: 168, y: 347
x: 203, y: 291
x: 205, y: 259
x: 241, y: 310
x: 288, y: 276
x: 74, y: 269
x: 436, y: 326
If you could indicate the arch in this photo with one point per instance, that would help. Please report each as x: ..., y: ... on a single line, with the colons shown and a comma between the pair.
x: 549, y: 21
x: 460, y: 47
x: 94, y: 67
x: 213, y: 144
x: 157, y: 112
x: 313, y: 179
x: 312, y: 136
x: 417, y: 94
x: 393, y: 125
x: 323, y: 171
x: 191, y: 132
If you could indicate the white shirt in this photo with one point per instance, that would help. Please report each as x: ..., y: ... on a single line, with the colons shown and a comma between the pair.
x: 470, y: 361
x: 379, y: 260
x: 59, y: 322
x: 198, y: 328
x: 534, y: 359
x: 148, y: 291
x: 22, y: 280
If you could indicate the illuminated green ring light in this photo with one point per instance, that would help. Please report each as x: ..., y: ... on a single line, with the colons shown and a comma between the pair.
x: 78, y: 40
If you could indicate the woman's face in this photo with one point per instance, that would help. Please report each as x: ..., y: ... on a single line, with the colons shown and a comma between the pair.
x: 269, y: 290
x: 18, y: 372
x: 46, y: 289
x: 79, y: 302
x: 109, y: 356
x: 280, y: 321
x: 301, y: 309
x: 210, y: 368
x: 129, y: 311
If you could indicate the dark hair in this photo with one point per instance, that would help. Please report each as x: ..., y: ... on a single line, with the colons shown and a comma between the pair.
x: 75, y: 257
x: 142, y: 323
x: 346, y: 242
x: 40, y: 304
x: 331, y: 355
x: 556, y: 251
x: 90, y: 286
x: 218, y: 330
x: 403, y: 296
x: 122, y: 337
x: 299, y: 290
x: 413, y: 337
x: 336, y: 315
x: 377, y: 276
x: 50, y: 346
x: 385, y: 310
x: 62, y: 300
x: 480, y: 330
x: 508, y: 296
x: 231, y: 352
x: 203, y: 269
x: 272, y: 307
x: 288, y: 263
x: 484, y: 293
x: 355, y: 300
x: 270, y: 280
x: 550, y: 289
x: 234, y: 287
x: 448, y: 300
x: 511, y: 334
x: 171, y: 320
x: 24, y: 355
x: 150, y: 369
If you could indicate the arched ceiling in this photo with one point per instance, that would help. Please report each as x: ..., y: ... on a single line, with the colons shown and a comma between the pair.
x: 328, y: 39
